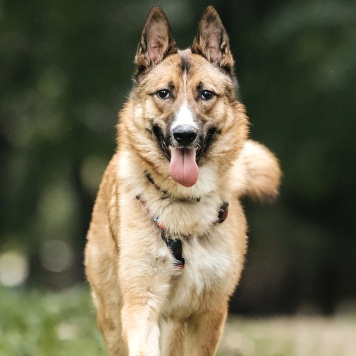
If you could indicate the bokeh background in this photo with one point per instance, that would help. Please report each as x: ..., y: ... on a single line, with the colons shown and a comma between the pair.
x: 65, y: 70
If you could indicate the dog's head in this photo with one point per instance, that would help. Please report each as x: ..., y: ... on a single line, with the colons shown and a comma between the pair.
x: 184, y: 116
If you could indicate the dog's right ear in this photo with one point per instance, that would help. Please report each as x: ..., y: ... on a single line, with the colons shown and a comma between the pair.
x: 156, y: 41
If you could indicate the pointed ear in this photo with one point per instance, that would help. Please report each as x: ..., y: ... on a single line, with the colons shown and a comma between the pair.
x: 212, y: 41
x: 156, y: 41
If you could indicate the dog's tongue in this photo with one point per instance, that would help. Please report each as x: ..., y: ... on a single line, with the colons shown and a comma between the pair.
x: 183, y: 168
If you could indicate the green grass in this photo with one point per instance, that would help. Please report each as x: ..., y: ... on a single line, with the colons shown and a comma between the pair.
x: 48, y: 324
x: 42, y: 323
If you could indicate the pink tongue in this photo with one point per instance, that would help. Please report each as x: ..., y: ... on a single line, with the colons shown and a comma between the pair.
x: 183, y: 168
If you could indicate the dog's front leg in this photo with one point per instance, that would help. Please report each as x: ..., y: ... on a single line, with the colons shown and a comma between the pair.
x: 204, y: 331
x: 140, y: 329
x: 144, y: 289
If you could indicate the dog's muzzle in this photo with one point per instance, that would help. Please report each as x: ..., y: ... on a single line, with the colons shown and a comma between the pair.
x: 185, y: 135
x: 183, y: 146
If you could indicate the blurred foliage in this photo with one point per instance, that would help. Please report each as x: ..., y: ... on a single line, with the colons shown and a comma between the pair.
x: 65, y: 70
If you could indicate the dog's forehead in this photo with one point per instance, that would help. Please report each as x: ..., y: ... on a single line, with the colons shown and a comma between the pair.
x: 184, y: 56
x: 187, y: 69
x: 187, y: 60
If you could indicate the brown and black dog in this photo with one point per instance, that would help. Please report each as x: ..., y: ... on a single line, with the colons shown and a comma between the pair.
x: 167, y: 239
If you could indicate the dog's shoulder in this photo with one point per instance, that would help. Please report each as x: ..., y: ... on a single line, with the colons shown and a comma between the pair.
x: 105, y: 208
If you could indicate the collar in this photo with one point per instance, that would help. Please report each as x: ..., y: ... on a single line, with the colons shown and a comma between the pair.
x: 175, y: 246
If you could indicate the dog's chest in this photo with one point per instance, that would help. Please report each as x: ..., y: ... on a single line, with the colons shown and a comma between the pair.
x: 207, y: 247
x: 187, y: 219
x: 208, y: 269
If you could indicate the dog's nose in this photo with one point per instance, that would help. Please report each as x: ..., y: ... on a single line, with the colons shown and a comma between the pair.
x: 185, y: 135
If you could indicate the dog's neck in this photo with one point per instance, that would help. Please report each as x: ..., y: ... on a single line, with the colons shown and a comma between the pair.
x: 222, y: 213
x: 165, y: 194
x: 175, y: 244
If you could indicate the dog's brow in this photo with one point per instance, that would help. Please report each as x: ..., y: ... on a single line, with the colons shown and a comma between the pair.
x: 170, y: 86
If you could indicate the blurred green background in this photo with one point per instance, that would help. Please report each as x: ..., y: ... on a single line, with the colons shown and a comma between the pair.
x: 65, y: 70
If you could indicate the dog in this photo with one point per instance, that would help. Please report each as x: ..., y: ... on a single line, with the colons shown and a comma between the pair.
x: 167, y: 239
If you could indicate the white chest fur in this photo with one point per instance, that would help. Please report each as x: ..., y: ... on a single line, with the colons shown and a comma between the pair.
x: 209, y: 269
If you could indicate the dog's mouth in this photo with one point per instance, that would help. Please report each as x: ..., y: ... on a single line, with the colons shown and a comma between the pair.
x: 183, y: 166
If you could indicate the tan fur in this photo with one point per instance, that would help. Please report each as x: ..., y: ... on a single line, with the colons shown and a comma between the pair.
x: 145, y: 305
x: 262, y: 172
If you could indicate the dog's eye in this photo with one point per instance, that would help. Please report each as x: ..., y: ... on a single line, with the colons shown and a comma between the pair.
x: 206, y: 95
x: 164, y: 94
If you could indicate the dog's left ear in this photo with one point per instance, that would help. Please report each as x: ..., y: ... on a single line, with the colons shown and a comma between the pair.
x: 212, y: 41
x: 156, y: 41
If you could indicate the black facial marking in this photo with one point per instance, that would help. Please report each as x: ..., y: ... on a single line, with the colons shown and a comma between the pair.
x: 185, y: 64
x: 207, y: 141
x: 157, y: 131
